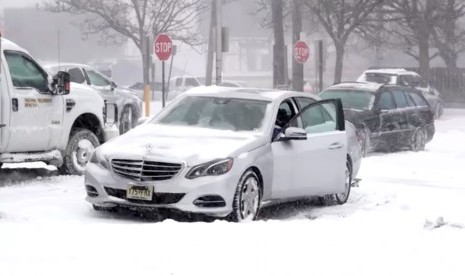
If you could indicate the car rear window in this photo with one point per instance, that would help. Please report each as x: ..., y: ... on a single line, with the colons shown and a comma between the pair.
x: 379, y: 78
x: 351, y: 98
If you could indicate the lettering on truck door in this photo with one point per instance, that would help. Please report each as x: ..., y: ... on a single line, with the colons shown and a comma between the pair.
x: 32, y: 104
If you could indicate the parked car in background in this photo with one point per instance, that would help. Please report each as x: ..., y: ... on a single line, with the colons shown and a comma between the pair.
x: 129, y: 105
x: 229, y: 83
x: 155, y: 90
x: 183, y: 83
x: 406, y: 78
x: 387, y: 117
x: 226, y: 152
x: 45, y: 117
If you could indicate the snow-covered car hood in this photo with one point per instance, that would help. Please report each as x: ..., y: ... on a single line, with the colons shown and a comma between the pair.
x: 179, y: 143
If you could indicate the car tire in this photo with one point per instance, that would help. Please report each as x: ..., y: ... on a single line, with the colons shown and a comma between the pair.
x: 418, y: 140
x: 339, y: 199
x: 81, y: 144
x: 247, y: 198
x: 126, y: 120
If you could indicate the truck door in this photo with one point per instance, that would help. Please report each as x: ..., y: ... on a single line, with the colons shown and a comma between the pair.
x: 36, y: 115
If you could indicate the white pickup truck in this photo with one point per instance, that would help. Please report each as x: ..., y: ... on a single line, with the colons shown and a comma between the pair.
x: 46, y: 119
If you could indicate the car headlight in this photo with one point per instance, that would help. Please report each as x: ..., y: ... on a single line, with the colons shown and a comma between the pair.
x: 216, y: 167
x: 98, y: 159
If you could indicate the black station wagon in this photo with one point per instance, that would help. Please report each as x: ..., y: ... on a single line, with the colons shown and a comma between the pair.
x: 387, y: 117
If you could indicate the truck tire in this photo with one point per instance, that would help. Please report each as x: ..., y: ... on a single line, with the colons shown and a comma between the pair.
x: 81, y: 144
x: 126, y: 120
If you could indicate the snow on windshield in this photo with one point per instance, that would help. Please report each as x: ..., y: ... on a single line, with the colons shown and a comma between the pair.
x: 217, y: 113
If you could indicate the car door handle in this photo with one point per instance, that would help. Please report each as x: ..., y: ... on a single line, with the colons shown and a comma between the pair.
x: 335, y: 146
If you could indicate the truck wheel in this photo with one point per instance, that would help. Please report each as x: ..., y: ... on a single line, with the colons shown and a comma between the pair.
x: 125, y: 123
x: 78, y: 152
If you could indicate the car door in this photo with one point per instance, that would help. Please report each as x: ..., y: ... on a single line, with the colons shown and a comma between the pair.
x: 283, y: 153
x: 320, y: 160
x: 315, y: 166
x: 402, y: 115
x: 36, y: 115
x: 388, y: 123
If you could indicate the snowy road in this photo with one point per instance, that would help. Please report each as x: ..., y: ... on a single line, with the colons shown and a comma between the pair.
x: 406, y: 218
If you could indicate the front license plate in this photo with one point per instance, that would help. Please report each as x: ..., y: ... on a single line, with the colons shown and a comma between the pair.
x: 140, y: 192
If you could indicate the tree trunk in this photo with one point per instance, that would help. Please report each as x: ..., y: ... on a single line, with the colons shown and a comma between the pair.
x: 423, y: 56
x: 339, y: 61
x: 279, y: 53
x: 297, y: 68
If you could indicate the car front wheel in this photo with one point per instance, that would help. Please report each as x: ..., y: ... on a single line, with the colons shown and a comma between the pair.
x: 246, y: 202
x: 78, y: 152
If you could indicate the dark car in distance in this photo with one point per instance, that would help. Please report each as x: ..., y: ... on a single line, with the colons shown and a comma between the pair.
x: 387, y: 117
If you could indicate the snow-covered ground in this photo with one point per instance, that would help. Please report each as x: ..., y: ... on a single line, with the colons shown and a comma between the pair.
x: 406, y: 218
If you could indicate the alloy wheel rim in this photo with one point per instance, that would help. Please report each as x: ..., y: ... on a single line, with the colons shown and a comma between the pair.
x: 250, y: 197
x: 82, y: 153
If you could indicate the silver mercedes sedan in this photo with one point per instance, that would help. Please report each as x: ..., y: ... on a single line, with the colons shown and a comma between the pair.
x: 227, y: 152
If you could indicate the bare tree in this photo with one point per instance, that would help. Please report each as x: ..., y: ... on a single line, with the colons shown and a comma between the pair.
x: 448, y: 34
x: 340, y: 19
x: 136, y: 20
x: 413, y: 22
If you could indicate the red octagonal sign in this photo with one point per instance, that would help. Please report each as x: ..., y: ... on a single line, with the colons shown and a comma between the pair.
x: 163, y: 47
x: 301, y: 52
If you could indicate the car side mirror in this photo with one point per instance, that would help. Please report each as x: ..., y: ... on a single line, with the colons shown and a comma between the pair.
x: 293, y: 133
x: 61, y: 83
x: 113, y: 85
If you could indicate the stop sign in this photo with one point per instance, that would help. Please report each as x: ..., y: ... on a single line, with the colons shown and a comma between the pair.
x: 301, y: 52
x: 163, y: 47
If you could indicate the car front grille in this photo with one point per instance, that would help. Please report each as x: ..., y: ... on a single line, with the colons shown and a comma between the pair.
x: 144, y: 170
x: 157, y: 198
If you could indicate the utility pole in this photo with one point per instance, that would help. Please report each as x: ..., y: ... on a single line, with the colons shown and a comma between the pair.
x: 219, y: 41
x: 297, y: 68
x: 211, y: 44
x: 279, y: 53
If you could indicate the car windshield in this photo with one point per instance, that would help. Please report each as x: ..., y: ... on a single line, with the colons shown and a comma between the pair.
x: 217, y: 113
x: 383, y: 78
x: 351, y: 99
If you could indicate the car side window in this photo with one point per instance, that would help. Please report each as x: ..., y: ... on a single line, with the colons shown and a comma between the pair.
x: 97, y: 79
x: 191, y: 82
x: 285, y: 113
x: 178, y: 82
x: 386, y: 102
x: 419, y: 101
x: 400, y: 99
x: 410, y: 101
x: 303, y: 102
x: 320, y: 118
x: 76, y: 75
x: 25, y: 73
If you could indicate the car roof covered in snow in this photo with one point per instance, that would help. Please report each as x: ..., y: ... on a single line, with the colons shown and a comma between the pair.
x: 11, y: 46
x: 365, y: 86
x: 245, y: 93
x: 391, y: 71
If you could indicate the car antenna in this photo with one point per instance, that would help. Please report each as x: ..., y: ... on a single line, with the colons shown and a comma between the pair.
x: 59, y: 49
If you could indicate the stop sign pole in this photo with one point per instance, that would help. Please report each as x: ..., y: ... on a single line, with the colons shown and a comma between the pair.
x: 163, y: 49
